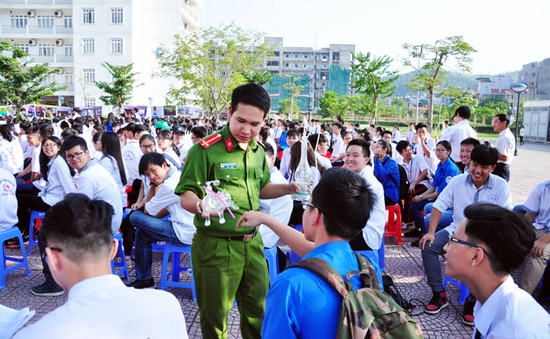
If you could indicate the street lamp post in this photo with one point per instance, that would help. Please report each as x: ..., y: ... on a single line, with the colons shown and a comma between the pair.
x: 518, y: 87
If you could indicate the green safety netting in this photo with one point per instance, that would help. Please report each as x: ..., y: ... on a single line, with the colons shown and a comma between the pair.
x: 277, y: 91
x: 338, y: 80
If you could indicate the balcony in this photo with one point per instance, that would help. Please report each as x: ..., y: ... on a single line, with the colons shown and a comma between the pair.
x: 52, y: 59
x: 13, y: 30
x: 35, y: 29
x: 36, y: 2
x: 16, y: 2
x: 63, y: 58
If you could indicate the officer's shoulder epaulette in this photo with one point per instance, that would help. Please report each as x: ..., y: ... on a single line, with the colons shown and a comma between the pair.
x: 211, y: 140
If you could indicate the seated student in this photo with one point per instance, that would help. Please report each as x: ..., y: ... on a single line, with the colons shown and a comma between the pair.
x: 537, y: 211
x: 8, y: 201
x: 319, y: 143
x: 299, y: 303
x: 178, y: 229
x: 485, y: 247
x: 386, y: 171
x: 80, y: 247
x: 292, y: 136
x: 387, y: 135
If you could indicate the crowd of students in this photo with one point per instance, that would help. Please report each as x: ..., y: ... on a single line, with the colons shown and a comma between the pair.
x: 153, y: 168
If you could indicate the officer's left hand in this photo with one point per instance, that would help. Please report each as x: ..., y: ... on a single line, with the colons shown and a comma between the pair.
x: 293, y: 187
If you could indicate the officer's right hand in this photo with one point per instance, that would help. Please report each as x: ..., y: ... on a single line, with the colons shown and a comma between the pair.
x: 428, y: 237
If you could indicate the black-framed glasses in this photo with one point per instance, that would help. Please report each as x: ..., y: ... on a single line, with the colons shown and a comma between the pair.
x: 76, y: 155
x: 440, y: 150
x: 150, y: 146
x: 308, y: 204
x: 453, y: 239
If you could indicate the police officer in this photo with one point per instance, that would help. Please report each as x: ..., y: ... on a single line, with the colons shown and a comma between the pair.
x: 228, y: 262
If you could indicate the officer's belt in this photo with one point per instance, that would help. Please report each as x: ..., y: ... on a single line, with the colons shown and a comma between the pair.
x: 243, y: 238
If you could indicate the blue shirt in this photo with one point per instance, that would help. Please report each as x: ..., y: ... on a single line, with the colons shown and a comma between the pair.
x: 387, y: 172
x: 444, y: 173
x: 300, y: 304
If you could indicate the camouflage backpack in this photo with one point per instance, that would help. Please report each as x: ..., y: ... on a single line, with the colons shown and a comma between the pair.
x: 366, y: 312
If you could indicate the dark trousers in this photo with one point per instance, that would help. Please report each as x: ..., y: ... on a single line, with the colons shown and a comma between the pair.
x: 25, y: 204
x: 419, y: 189
x: 126, y: 228
x: 502, y: 170
x: 358, y: 243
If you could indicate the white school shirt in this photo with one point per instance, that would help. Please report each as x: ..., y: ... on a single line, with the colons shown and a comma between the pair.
x: 414, y: 168
x: 280, y: 208
x: 16, y: 154
x: 94, y: 181
x: 181, y: 219
x: 538, y: 203
x: 285, y: 162
x: 131, y: 155
x: 8, y: 200
x: 374, y: 229
x: 455, y: 134
x: 432, y: 160
x: 60, y: 182
x: 109, y: 163
x: 506, y: 145
x: 510, y: 313
x: 461, y: 192
x: 93, y: 310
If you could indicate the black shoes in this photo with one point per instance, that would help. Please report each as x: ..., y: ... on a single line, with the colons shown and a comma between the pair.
x: 139, y: 284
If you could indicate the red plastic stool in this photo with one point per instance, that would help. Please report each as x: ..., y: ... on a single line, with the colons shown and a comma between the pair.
x: 393, y: 227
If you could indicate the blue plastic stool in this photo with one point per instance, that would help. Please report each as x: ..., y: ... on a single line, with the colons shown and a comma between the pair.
x: 176, y: 250
x: 272, y: 262
x: 382, y: 256
x: 120, y: 267
x: 22, y: 262
x: 372, y: 256
x: 464, y: 291
x: 32, y: 241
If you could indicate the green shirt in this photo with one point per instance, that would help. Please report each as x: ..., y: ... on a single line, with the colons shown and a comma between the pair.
x: 241, y: 173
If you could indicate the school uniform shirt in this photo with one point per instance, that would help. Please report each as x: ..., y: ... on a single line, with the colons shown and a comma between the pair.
x: 455, y: 134
x: 94, y: 181
x: 506, y: 145
x: 373, y: 232
x: 181, y: 219
x: 131, y: 155
x: 414, y: 168
x: 109, y: 163
x: 94, y: 310
x: 510, y: 313
x: 538, y: 203
x: 280, y: 208
x: 60, y: 182
x: 8, y: 200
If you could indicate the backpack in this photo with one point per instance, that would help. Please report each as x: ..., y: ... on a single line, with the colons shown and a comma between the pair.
x: 404, y: 183
x: 366, y: 312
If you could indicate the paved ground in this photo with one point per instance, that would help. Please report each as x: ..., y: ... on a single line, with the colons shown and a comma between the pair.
x: 403, y: 264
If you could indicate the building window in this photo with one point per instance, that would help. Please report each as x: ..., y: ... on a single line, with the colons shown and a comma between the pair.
x: 69, y: 50
x: 24, y: 47
x: 117, y: 46
x: 276, y: 53
x: 45, y: 49
x: 117, y: 15
x: 272, y: 63
x: 45, y: 20
x: 88, y: 46
x: 89, y: 102
x: 69, y: 79
x: 19, y: 21
x: 336, y: 56
x: 68, y: 21
x: 88, y: 16
x: 89, y: 75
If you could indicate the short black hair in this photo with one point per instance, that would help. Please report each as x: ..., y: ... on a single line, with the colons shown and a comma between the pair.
x: 138, y: 128
x: 508, y: 236
x: 503, y: 118
x: 199, y: 131
x: 293, y: 132
x: 470, y: 141
x: 251, y: 94
x: 402, y: 145
x: 445, y: 144
x: 463, y: 112
x: 484, y: 155
x: 80, y: 227
x: 74, y: 141
x: 268, y: 149
x: 46, y: 130
x: 365, y: 145
x: 152, y: 158
x: 420, y: 125
x: 345, y: 200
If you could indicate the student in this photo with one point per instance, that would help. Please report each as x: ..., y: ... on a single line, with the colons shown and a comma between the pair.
x: 151, y: 226
x: 386, y: 171
x: 301, y: 304
x: 79, y: 248
x: 459, y: 131
x: 487, y: 245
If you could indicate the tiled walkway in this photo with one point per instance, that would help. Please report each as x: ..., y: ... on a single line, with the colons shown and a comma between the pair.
x: 403, y: 264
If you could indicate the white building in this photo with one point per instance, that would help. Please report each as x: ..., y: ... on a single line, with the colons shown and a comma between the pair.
x: 76, y: 36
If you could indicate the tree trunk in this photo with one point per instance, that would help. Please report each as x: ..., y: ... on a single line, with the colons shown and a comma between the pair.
x: 431, y: 110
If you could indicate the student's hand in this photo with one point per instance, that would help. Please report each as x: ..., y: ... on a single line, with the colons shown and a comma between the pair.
x: 136, y: 206
x: 411, y: 189
x: 250, y: 219
x: 428, y: 237
x: 538, y: 248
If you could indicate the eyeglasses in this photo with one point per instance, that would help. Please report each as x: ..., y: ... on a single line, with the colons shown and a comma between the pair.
x: 440, y: 150
x: 162, y: 139
x: 150, y: 146
x: 76, y: 155
x: 52, y: 145
x: 453, y: 239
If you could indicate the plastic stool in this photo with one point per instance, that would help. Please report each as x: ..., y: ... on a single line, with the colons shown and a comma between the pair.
x: 176, y: 250
x: 372, y: 256
x: 22, y: 262
x: 37, y: 216
x: 393, y: 227
x: 272, y: 262
x: 382, y: 256
x: 120, y: 267
x: 464, y: 291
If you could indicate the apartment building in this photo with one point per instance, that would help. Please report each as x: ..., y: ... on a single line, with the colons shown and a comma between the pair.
x: 77, y: 36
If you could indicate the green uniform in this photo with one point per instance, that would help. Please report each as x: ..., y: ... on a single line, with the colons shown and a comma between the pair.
x: 225, y: 267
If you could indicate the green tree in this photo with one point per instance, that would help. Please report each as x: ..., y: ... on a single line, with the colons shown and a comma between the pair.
x: 295, y: 90
x: 328, y: 104
x: 372, y: 77
x: 490, y: 107
x: 287, y: 106
x: 257, y: 77
x: 21, y: 83
x: 211, y: 62
x: 431, y: 74
x: 119, y: 91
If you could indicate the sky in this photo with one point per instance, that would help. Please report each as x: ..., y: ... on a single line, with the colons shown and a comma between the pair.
x: 506, y: 34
